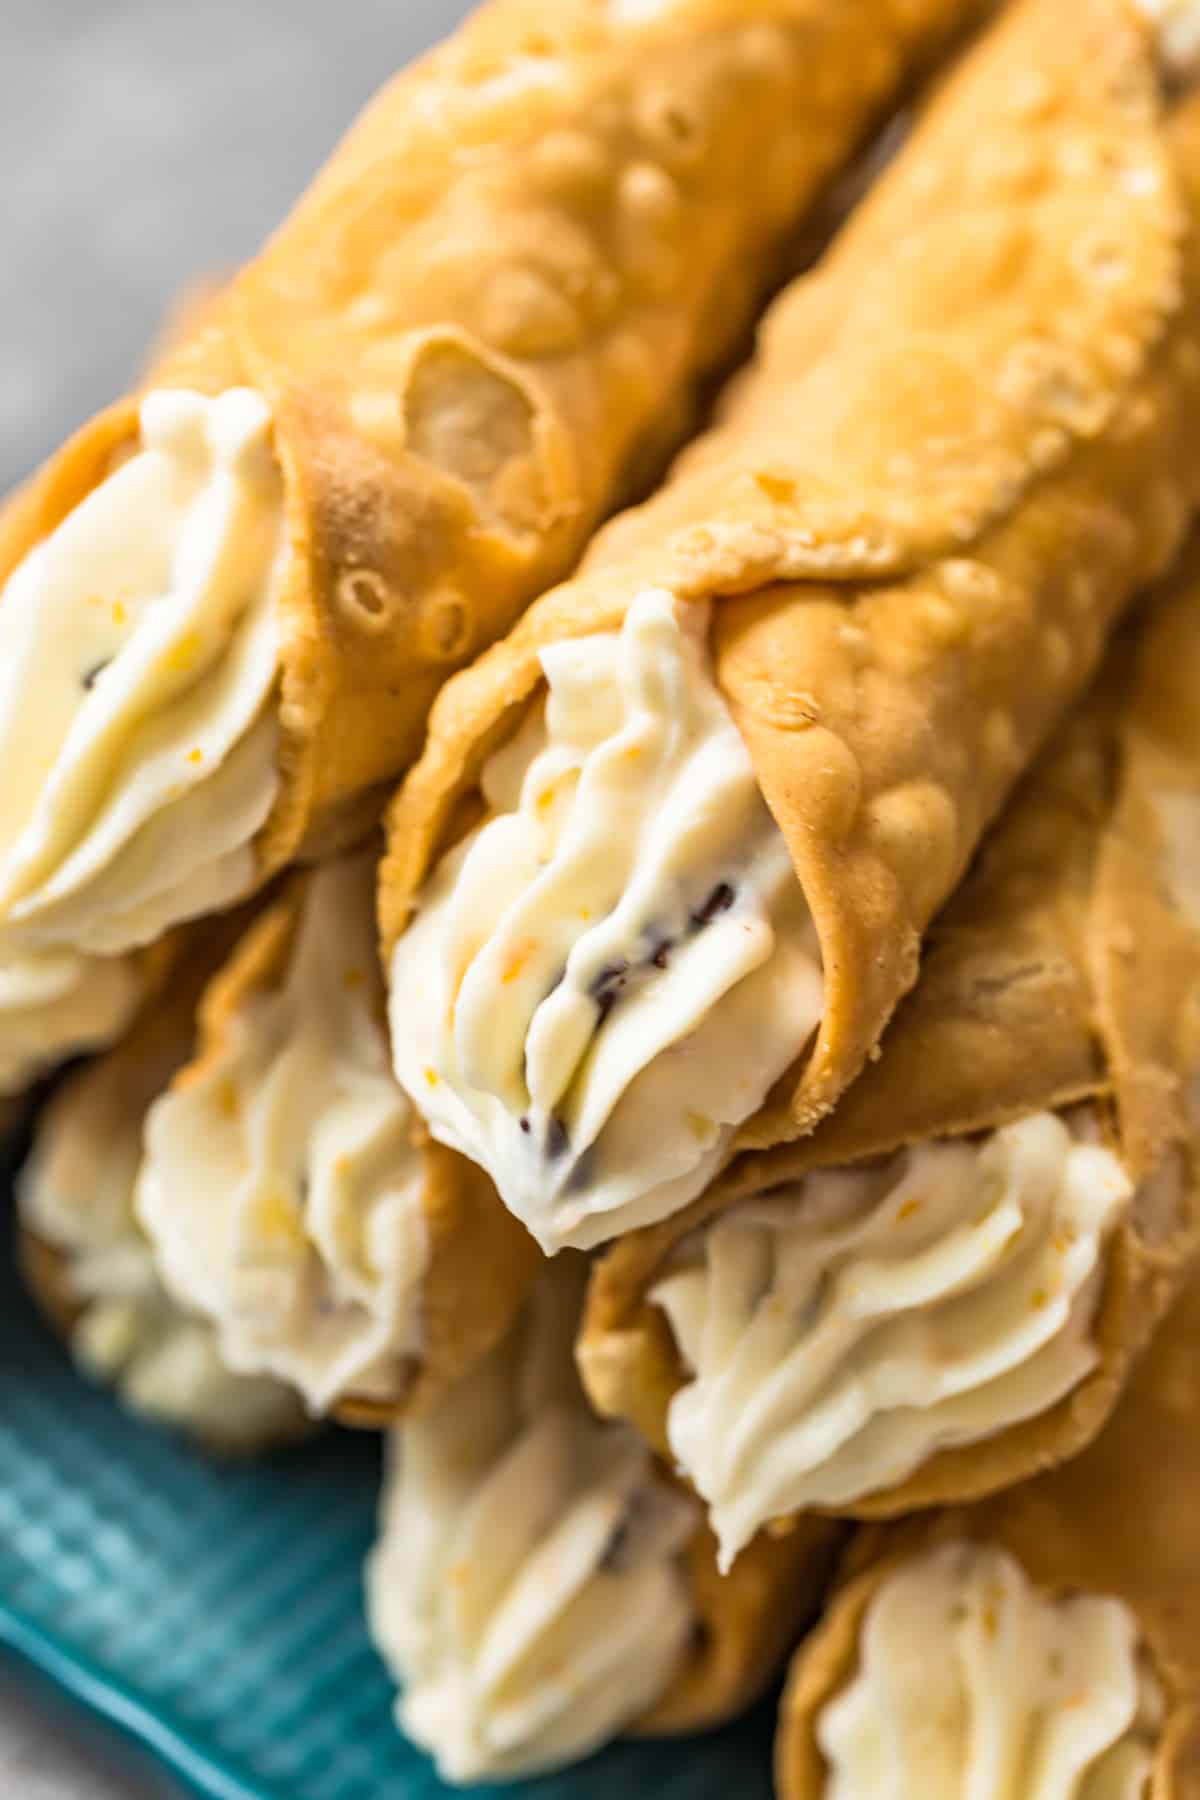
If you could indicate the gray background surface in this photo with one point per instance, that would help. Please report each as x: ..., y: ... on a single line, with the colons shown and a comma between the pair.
x: 144, y: 143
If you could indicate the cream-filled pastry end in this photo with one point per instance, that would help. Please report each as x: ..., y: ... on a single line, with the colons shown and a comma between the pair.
x: 606, y: 977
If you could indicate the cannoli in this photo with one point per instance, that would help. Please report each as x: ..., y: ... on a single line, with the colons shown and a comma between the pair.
x: 728, y: 773
x: 1043, y: 1646
x: 539, y: 1585
x: 57, y: 1003
x: 291, y: 1194
x: 942, y: 1290
x: 229, y: 601
x: 88, y: 1262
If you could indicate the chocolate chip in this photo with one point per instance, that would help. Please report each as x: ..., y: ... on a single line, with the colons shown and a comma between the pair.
x: 607, y: 987
x: 90, y: 676
x: 662, y: 954
x: 719, y: 901
x: 526, y: 1127
x: 557, y: 1141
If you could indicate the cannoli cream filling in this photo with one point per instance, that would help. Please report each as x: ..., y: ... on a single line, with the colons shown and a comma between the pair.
x: 56, y: 1004
x: 281, y: 1184
x: 841, y: 1332
x: 138, y: 654
x: 974, y: 1685
x: 76, y: 1194
x: 527, y: 1587
x: 605, y: 978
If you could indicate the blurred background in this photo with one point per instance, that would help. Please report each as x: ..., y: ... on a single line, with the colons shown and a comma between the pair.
x: 144, y: 143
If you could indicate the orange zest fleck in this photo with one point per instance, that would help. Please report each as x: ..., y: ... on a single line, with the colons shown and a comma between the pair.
x: 908, y: 1210
x: 432, y: 1077
x: 517, y: 961
x: 182, y: 654
x: 353, y: 978
x: 195, y: 756
x: 119, y: 612
x: 776, y: 487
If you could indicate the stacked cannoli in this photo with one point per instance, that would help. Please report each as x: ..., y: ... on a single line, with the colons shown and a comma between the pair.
x: 661, y: 873
x: 743, y: 1081
x: 1045, y: 1643
x: 944, y: 1287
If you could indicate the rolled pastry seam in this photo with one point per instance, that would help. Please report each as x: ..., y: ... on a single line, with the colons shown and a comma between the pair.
x: 540, y: 1586
x: 967, y: 438
x: 1059, y: 1620
x: 91, y: 1266
x: 292, y: 1197
x: 943, y: 1289
x: 229, y: 601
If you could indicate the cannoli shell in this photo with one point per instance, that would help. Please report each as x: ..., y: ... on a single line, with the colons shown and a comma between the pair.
x: 969, y: 436
x: 1067, y: 968
x: 484, y: 323
x: 747, y: 1621
x: 482, y: 1262
x: 1120, y: 1520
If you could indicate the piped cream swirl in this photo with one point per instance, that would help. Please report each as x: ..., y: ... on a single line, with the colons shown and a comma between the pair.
x: 138, y: 655
x: 974, y: 1685
x: 57, y: 1004
x: 841, y: 1332
x: 76, y: 1195
x: 527, y: 1587
x: 605, y: 978
x: 281, y: 1183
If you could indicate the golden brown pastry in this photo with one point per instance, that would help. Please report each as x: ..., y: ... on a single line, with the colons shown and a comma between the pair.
x: 291, y: 1195
x: 230, y: 599
x: 1040, y: 1646
x: 785, y: 696
x: 943, y: 1289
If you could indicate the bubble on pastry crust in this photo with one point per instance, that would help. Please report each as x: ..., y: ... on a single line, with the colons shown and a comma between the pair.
x: 1059, y: 650
x: 1046, y: 379
x: 651, y: 246
x: 669, y: 128
x: 365, y: 598
x: 766, y: 50
x: 914, y: 827
x: 968, y: 581
x: 472, y: 420
x: 999, y: 740
x: 944, y: 619
x: 1032, y: 95
x: 526, y: 315
x: 445, y: 626
x: 572, y: 163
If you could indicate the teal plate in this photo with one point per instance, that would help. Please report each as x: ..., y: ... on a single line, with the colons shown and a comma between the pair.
x: 216, y: 1612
